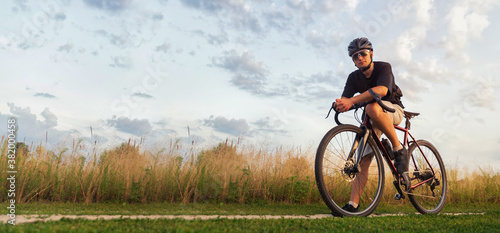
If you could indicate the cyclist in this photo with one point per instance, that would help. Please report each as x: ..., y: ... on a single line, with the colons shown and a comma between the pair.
x: 379, y: 77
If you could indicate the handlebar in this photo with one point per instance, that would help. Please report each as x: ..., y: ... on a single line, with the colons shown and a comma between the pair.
x: 376, y: 98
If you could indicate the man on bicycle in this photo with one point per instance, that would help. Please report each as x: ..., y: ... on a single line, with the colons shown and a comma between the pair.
x: 379, y: 77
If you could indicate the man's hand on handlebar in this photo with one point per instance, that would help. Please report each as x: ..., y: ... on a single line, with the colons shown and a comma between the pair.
x: 343, y: 104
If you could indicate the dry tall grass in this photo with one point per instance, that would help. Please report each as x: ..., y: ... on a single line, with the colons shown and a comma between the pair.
x: 225, y: 173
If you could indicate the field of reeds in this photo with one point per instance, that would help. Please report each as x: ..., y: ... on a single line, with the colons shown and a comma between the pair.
x: 226, y: 173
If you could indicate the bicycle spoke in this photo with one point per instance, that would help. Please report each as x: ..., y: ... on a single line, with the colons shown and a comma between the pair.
x: 337, y: 154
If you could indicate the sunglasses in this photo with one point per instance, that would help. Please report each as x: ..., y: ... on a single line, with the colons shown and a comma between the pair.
x: 363, y: 53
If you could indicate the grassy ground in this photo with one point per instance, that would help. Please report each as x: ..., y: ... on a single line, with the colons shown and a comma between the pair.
x: 237, y: 180
x: 170, y: 209
x: 220, y: 209
x: 411, y: 222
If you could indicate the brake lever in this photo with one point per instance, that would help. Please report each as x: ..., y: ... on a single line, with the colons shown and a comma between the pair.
x: 329, y: 111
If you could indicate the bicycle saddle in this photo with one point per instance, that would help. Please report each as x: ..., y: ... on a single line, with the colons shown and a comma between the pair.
x: 410, y: 115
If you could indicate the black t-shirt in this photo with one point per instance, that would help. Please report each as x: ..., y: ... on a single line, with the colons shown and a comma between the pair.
x: 381, y: 76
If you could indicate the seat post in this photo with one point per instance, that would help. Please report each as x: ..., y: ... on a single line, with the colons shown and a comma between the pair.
x: 407, y: 123
x: 408, y: 116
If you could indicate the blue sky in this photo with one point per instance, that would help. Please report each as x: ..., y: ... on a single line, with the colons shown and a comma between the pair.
x: 263, y: 71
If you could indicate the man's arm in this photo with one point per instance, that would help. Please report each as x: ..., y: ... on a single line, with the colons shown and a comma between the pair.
x: 343, y: 104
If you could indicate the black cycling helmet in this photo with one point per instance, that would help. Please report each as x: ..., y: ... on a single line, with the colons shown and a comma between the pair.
x: 359, y: 44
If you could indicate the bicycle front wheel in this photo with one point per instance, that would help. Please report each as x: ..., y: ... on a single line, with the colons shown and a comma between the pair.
x: 337, y: 179
x: 427, y: 171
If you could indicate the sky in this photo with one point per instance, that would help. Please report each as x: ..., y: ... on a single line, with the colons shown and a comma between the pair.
x: 260, y: 72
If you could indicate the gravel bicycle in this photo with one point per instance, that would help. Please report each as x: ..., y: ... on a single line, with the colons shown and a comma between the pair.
x: 338, y: 166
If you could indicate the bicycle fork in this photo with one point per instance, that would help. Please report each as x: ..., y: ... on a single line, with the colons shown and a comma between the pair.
x: 359, y: 142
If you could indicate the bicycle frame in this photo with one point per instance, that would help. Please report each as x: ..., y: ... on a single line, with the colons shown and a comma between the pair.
x: 370, y: 131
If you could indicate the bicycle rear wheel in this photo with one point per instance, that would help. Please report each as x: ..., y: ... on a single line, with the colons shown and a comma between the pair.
x: 427, y: 169
x: 335, y: 177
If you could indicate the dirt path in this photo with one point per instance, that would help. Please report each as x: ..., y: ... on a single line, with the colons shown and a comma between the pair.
x: 20, y: 219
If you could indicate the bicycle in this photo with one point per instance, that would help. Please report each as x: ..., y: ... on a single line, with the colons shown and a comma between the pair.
x: 337, y: 166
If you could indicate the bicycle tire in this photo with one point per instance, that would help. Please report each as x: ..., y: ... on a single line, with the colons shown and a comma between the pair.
x: 423, y: 198
x: 334, y: 184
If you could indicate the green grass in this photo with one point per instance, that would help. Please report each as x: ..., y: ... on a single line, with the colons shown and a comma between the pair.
x: 169, y: 209
x: 221, y: 209
x: 411, y: 223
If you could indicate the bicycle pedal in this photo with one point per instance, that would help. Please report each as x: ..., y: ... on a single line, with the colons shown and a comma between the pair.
x: 400, y: 194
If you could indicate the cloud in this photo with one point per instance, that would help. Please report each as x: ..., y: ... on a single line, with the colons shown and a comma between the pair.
x: 44, y: 95
x: 240, y: 63
x: 136, y: 127
x: 118, y: 40
x: 254, y: 84
x: 422, y: 11
x: 109, y: 5
x: 304, y: 7
x: 157, y: 16
x: 316, y: 39
x: 329, y: 6
x: 319, y: 86
x: 60, y: 16
x: 408, y: 41
x: 251, y: 75
x: 204, y: 5
x: 142, y: 95
x: 480, y: 90
x: 219, y: 39
x: 269, y: 125
x: 417, y: 71
x: 240, y: 15
x: 50, y: 118
x: 289, y: 16
x: 248, y: 72
x: 163, y: 123
x: 278, y: 17
x: 65, y: 48
x: 467, y: 20
x: 20, y: 5
x: 294, y: 14
x: 165, y: 47
x: 220, y: 5
x: 234, y: 127
x: 22, y: 112
x: 121, y: 62
x: 125, y: 39
x: 33, y: 129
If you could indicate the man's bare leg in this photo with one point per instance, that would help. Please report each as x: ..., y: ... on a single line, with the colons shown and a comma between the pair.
x: 361, y: 179
x: 383, y: 122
